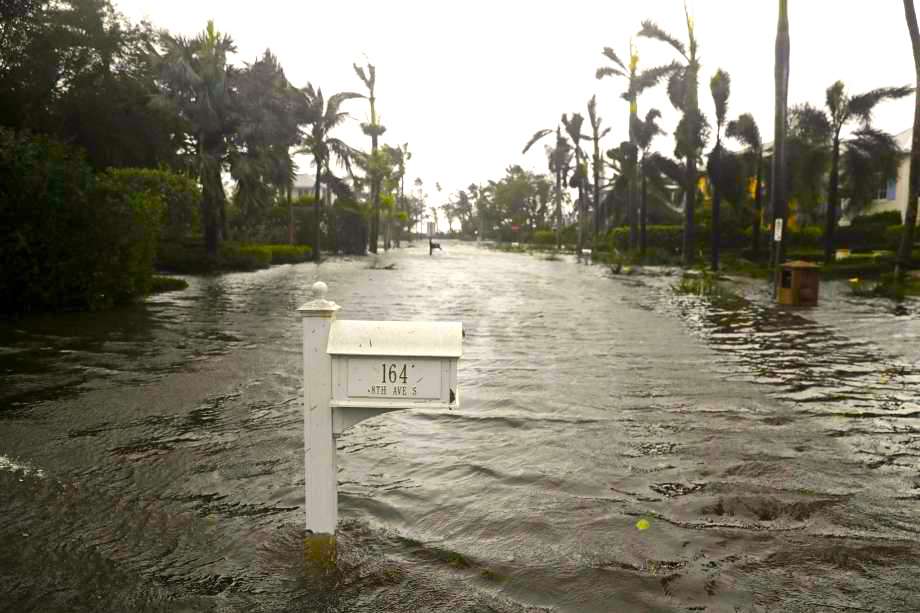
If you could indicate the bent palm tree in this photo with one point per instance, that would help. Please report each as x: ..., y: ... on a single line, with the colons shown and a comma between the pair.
x: 558, y: 158
x: 745, y: 130
x: 645, y: 132
x: 720, y: 86
x: 683, y: 85
x: 841, y: 109
x: 197, y: 85
x: 374, y: 130
x: 637, y: 83
x: 320, y: 143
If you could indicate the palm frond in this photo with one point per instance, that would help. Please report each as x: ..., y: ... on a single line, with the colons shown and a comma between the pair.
x: 721, y: 86
x: 651, y: 30
x: 862, y: 105
x: 607, y: 71
x: 652, y: 76
x: 533, y: 139
x: 745, y: 130
x: 611, y: 55
x: 677, y: 89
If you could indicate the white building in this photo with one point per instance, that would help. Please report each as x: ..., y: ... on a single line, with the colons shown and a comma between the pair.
x: 893, y: 195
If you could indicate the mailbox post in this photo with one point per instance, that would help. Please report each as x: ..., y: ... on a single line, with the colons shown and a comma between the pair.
x: 354, y: 370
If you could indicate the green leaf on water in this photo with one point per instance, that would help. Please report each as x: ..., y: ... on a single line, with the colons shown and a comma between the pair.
x: 643, y: 524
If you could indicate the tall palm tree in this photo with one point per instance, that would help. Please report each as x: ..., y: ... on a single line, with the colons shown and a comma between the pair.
x: 374, y: 130
x: 720, y: 86
x: 841, y: 109
x: 781, y: 99
x: 745, y: 130
x: 910, y: 214
x: 645, y: 133
x: 683, y: 86
x: 637, y: 83
x: 320, y: 143
x: 558, y: 158
x: 573, y: 129
x: 597, y: 162
x: 197, y: 84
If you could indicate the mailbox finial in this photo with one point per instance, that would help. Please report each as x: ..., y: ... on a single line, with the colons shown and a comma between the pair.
x: 319, y: 306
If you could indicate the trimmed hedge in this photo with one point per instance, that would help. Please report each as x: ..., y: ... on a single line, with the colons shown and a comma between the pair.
x: 546, y: 238
x: 189, y: 256
x: 69, y: 239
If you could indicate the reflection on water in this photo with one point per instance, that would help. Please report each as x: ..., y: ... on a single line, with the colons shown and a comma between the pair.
x: 618, y: 448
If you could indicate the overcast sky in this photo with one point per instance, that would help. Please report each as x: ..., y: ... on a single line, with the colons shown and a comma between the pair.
x: 467, y: 83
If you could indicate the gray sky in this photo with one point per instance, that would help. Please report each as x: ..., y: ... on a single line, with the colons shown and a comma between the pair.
x: 467, y: 83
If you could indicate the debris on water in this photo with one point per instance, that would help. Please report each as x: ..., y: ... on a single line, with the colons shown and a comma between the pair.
x: 643, y: 524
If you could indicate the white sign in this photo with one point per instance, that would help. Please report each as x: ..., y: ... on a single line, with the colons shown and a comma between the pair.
x: 396, y: 378
x: 777, y: 230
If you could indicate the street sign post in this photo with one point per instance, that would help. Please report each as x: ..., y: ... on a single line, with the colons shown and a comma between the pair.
x: 355, y: 370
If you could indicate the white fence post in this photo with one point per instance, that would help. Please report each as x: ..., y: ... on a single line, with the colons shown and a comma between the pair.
x: 319, y: 444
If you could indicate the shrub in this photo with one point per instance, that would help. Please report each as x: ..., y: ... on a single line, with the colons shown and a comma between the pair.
x: 291, y: 254
x: 545, y: 238
x: 234, y: 256
x: 666, y: 238
x: 885, y: 218
x: 69, y: 240
x: 180, y: 194
x: 167, y: 284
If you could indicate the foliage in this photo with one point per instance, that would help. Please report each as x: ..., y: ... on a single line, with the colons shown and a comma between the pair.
x: 69, y: 240
x: 160, y: 284
x: 885, y: 218
x: 180, y: 195
x: 545, y: 238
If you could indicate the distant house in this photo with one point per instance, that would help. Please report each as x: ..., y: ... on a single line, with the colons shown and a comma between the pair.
x: 892, y: 195
x: 305, y: 185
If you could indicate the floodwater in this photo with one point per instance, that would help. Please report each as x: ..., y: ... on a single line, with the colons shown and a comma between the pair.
x: 618, y: 448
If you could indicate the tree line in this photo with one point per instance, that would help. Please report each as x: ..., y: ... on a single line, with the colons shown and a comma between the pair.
x: 821, y: 156
x: 130, y: 96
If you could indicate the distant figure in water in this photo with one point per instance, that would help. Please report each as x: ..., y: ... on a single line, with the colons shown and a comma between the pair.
x: 432, y: 246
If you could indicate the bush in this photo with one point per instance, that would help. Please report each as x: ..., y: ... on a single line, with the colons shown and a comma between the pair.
x: 69, y: 240
x: 167, y: 284
x: 885, y: 218
x: 180, y: 194
x: 544, y: 238
x: 665, y: 238
x: 291, y: 254
x: 234, y: 256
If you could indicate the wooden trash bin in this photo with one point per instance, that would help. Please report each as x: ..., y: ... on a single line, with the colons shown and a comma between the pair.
x: 797, y: 284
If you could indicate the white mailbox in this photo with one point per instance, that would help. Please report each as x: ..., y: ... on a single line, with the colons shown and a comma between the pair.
x: 354, y: 370
x: 382, y: 366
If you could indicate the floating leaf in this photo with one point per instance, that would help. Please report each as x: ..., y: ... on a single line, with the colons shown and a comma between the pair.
x: 643, y: 524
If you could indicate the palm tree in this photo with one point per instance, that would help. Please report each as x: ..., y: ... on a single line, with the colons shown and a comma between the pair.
x: 558, y: 159
x: 197, y: 85
x: 720, y: 86
x: 781, y: 99
x: 637, y: 83
x: 374, y: 130
x: 319, y: 143
x: 910, y: 215
x: 573, y: 129
x: 842, y: 108
x: 745, y: 130
x: 645, y: 133
x: 683, y: 92
x: 597, y: 162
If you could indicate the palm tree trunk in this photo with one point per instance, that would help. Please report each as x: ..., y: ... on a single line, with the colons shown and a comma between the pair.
x: 758, y: 213
x: 716, y: 214
x: 290, y: 215
x: 910, y: 214
x: 597, y: 188
x: 781, y: 78
x: 212, y: 189
x: 317, y: 208
x: 643, y: 216
x: 832, y: 197
x: 689, y: 255
x: 558, y: 208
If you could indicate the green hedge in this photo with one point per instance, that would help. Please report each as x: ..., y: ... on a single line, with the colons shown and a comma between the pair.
x: 885, y: 218
x: 180, y: 194
x: 69, y: 239
x: 546, y: 238
x: 189, y: 256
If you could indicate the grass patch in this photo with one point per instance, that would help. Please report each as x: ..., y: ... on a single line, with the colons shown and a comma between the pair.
x: 160, y: 284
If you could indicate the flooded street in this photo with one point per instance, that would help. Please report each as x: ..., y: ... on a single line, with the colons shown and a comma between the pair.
x: 151, y: 458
